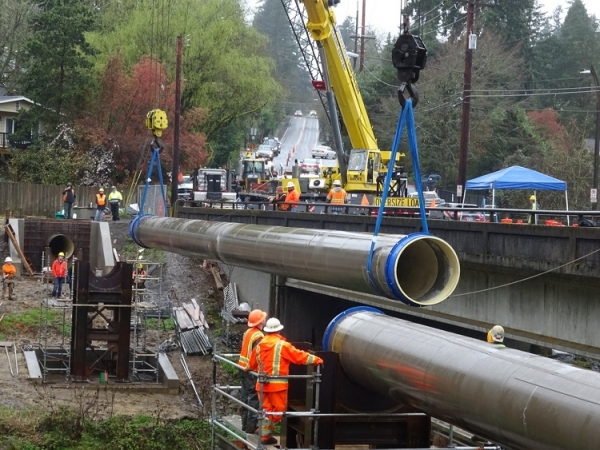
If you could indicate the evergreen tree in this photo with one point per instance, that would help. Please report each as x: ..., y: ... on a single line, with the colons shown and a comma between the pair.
x: 290, y: 69
x: 58, y: 77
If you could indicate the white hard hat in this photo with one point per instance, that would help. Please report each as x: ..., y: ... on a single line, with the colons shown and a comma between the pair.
x: 244, y: 307
x: 8, y: 259
x: 290, y: 184
x: 272, y: 325
x: 497, y: 333
x: 337, y: 183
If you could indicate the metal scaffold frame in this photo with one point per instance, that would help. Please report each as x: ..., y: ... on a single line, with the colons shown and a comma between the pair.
x: 144, y: 361
x: 53, y: 359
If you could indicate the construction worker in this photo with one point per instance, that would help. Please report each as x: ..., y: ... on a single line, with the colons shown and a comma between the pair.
x: 9, y: 272
x: 279, y: 199
x: 100, y: 205
x: 272, y: 357
x: 114, y: 198
x: 292, y: 197
x: 252, y: 336
x: 69, y: 198
x: 138, y: 277
x: 496, y: 336
x: 337, y: 196
x: 534, y: 206
x: 59, y: 270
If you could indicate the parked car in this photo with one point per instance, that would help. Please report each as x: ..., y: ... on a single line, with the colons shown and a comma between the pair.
x: 323, y: 151
x: 313, y: 113
x: 264, y: 151
x: 298, y: 113
x: 465, y: 216
x: 431, y: 181
x: 310, y: 165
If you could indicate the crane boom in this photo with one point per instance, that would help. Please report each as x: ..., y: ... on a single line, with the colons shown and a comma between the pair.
x: 321, y: 25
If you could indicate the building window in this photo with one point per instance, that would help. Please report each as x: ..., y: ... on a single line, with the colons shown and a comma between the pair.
x: 10, y: 126
x: 17, y: 106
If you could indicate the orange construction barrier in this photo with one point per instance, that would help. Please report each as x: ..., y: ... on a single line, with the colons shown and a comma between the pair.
x: 506, y: 221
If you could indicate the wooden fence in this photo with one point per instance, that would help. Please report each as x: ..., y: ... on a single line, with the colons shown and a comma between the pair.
x: 42, y: 200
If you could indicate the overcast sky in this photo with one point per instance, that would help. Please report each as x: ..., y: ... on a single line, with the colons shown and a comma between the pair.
x: 384, y: 15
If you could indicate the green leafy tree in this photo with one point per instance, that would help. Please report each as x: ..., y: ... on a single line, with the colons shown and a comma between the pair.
x: 228, y: 74
x: 15, y: 30
x: 290, y: 70
x: 58, y: 78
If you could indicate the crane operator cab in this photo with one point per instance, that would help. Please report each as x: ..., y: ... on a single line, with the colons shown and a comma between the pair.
x: 364, y: 166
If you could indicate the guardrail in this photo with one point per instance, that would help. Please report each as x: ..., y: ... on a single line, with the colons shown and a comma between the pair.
x: 497, y: 215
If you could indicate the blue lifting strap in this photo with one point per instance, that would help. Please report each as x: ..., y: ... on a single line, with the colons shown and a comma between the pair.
x: 406, y: 119
x: 155, y: 158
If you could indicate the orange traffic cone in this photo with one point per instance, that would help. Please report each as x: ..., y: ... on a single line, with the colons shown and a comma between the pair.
x: 364, y: 201
x: 432, y: 203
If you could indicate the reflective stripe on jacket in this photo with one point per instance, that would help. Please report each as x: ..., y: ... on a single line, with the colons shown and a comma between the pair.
x: 252, y: 336
x: 100, y: 199
x: 337, y: 197
x: 115, y: 197
x: 272, y: 356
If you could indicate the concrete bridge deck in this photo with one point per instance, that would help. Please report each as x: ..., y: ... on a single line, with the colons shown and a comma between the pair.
x: 541, y: 283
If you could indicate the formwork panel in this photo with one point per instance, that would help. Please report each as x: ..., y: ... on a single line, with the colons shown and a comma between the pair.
x: 38, y: 233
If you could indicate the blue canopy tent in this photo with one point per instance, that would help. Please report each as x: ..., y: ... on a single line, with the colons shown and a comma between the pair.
x: 517, y: 177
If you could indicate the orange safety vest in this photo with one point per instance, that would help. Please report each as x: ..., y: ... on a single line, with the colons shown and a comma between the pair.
x: 337, y: 197
x: 272, y: 356
x: 100, y: 199
x: 252, y: 336
x: 292, y: 197
x: 10, y: 270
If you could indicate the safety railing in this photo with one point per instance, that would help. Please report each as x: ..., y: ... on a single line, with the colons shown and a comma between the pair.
x: 229, y: 431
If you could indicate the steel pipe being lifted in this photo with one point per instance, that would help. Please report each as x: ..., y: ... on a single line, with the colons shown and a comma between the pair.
x: 417, y: 269
x: 517, y: 399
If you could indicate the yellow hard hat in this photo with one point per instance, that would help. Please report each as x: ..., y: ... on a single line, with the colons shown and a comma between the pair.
x: 61, y: 254
x: 140, y: 266
x: 532, y: 198
x: 101, y: 190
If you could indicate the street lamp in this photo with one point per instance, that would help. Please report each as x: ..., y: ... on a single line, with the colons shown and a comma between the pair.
x: 592, y: 71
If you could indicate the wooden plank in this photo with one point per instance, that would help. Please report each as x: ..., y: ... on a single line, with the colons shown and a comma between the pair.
x: 15, y: 244
x: 33, y: 366
x: 184, y: 321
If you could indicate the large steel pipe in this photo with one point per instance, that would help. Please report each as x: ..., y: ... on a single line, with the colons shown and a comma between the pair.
x: 418, y: 269
x: 517, y: 399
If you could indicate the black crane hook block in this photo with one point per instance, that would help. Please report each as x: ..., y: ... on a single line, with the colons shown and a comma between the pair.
x: 409, y: 57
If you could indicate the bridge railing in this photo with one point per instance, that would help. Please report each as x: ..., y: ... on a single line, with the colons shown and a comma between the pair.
x: 498, y: 215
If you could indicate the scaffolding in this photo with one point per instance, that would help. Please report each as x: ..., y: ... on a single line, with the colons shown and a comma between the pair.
x: 54, y: 359
x: 147, y: 306
x: 227, y: 429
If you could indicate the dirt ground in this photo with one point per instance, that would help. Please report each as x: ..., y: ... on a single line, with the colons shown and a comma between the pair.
x: 183, y: 278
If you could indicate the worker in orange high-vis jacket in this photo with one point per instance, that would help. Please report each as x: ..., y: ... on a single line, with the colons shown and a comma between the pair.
x: 252, y: 336
x: 272, y: 357
x: 292, y: 197
x: 59, y: 270
x: 337, y: 196
x: 100, y: 205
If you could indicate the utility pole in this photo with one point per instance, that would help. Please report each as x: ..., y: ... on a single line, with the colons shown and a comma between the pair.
x: 362, y: 38
x: 355, y: 38
x: 175, y: 169
x: 596, y: 136
x: 466, y: 104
